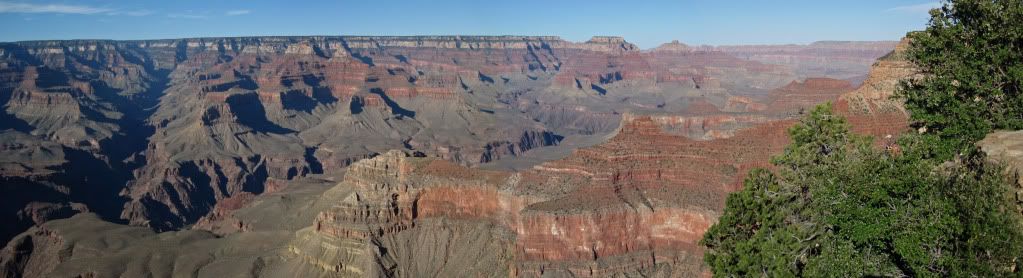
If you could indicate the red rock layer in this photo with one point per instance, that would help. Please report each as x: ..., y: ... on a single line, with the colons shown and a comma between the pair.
x: 641, y: 199
x: 803, y: 96
x: 214, y: 120
x: 871, y: 109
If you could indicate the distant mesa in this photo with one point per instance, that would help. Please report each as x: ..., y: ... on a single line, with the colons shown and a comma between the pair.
x: 290, y: 156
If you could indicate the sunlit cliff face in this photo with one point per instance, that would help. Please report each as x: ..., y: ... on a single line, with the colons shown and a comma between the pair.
x: 628, y: 154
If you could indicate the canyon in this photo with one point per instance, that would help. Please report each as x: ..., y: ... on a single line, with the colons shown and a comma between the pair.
x: 400, y: 156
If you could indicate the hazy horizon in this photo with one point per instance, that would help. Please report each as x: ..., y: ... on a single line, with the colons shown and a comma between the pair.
x: 646, y: 24
x: 453, y: 35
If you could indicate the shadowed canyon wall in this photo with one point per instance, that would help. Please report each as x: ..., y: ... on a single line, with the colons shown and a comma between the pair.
x: 287, y: 141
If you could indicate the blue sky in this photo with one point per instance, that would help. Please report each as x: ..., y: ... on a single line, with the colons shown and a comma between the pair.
x: 646, y: 23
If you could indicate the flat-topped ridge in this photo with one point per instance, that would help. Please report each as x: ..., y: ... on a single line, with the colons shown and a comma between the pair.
x: 869, y: 45
x: 300, y: 38
x: 597, y: 43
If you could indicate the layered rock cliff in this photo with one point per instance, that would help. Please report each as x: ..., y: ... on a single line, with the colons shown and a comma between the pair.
x: 176, y: 126
x: 637, y: 204
x: 234, y: 135
x: 872, y: 108
x: 833, y: 59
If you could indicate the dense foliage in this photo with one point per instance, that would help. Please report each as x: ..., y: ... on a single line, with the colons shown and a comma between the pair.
x: 835, y: 205
x: 971, y: 55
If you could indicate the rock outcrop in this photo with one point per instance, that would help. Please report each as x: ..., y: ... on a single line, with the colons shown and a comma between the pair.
x: 241, y: 138
x: 72, y: 125
x: 636, y: 204
x: 177, y: 126
x: 872, y: 108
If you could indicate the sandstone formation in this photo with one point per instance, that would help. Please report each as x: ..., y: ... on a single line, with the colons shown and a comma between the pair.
x: 803, y: 95
x: 613, y: 209
x: 176, y: 126
x: 365, y: 156
x: 872, y: 108
x: 834, y: 59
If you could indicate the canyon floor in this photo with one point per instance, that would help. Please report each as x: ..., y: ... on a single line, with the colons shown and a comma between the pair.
x: 431, y: 156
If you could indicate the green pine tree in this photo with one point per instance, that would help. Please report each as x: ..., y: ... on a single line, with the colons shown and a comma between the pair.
x: 971, y: 55
x: 835, y: 206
